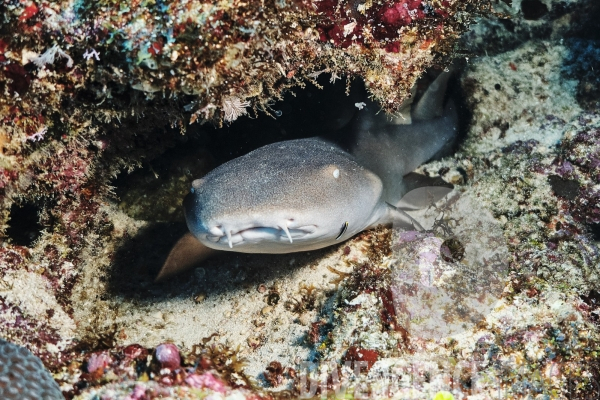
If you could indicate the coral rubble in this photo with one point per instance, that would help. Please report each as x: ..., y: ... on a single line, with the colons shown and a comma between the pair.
x: 95, y: 89
x: 91, y: 89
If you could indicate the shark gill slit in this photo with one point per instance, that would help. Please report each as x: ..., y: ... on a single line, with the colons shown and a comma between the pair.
x: 344, y: 227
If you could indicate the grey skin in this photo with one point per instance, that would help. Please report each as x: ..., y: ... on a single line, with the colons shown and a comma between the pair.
x: 307, y: 194
x: 393, y: 148
x: 288, y: 196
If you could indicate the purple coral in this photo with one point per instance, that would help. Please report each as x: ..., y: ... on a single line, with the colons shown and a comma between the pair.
x: 583, y: 152
x: 98, y: 362
x: 167, y: 355
x: 206, y: 380
x: 23, y: 376
x: 586, y: 207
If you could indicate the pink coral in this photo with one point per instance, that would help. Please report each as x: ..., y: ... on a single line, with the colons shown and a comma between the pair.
x: 98, y: 362
x: 395, y: 15
x: 206, y: 380
x: 139, y: 393
x: 345, y: 24
x: 135, y: 352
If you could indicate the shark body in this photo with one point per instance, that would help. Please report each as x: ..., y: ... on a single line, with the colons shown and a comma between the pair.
x: 307, y: 194
x: 288, y: 196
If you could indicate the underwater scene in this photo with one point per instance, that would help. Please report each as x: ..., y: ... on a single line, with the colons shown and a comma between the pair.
x: 281, y: 199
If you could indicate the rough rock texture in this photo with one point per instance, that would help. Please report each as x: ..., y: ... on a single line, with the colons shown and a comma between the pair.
x: 228, y: 55
x: 76, y: 264
x: 92, y: 89
x: 23, y: 376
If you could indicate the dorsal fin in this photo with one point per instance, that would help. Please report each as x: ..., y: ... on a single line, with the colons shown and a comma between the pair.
x: 431, y: 104
x: 187, y: 253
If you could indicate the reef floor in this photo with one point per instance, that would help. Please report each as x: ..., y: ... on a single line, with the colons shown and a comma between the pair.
x: 500, y: 299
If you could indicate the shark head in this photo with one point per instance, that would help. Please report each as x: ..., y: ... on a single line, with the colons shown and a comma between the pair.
x: 289, y: 196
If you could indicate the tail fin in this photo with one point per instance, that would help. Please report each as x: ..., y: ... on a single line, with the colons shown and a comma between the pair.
x: 392, y: 150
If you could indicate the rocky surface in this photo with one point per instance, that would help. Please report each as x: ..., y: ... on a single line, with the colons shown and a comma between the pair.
x: 77, y: 263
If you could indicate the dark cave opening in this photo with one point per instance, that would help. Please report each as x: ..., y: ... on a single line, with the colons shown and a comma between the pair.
x: 24, y: 224
x: 154, y: 192
x: 533, y: 9
x: 595, y: 231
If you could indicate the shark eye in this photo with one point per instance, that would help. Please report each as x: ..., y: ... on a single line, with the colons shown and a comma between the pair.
x: 343, y: 230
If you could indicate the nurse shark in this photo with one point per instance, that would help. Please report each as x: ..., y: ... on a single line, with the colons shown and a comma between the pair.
x: 306, y: 194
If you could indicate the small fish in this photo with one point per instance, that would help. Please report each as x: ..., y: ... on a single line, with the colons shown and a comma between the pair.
x: 306, y: 194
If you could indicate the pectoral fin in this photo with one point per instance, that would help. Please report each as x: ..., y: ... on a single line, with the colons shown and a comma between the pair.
x: 421, y: 198
x: 401, y: 220
x: 422, y: 191
x: 187, y: 253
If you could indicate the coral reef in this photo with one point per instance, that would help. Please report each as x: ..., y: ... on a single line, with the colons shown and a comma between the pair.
x: 23, y: 376
x: 89, y: 90
x: 92, y: 91
x: 131, y: 373
x: 579, y: 162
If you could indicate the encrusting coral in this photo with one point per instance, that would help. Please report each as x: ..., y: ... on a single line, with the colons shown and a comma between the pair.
x: 91, y: 89
x: 81, y: 80
x: 23, y: 376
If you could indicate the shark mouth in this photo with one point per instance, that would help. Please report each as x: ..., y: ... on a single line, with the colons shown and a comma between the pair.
x: 258, y: 234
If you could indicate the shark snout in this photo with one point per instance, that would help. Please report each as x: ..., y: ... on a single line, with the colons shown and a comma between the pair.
x: 229, y: 230
x: 233, y: 234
